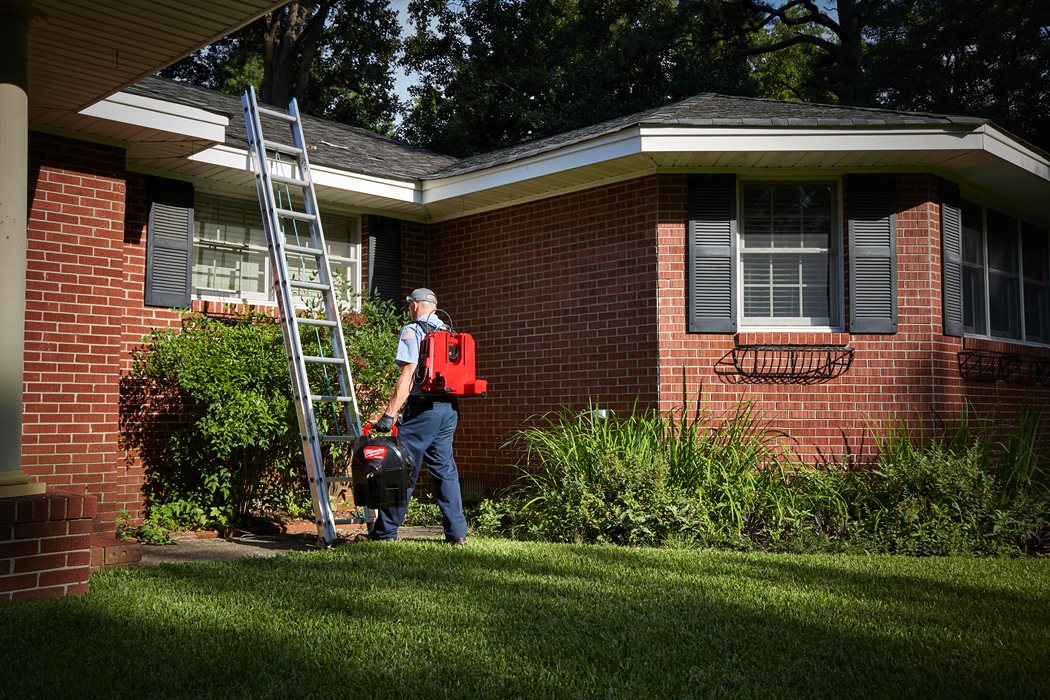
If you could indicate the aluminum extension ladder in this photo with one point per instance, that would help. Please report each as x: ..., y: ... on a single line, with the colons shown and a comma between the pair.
x: 301, y: 275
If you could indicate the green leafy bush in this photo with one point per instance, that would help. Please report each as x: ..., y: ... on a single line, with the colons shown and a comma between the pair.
x: 214, y: 424
x: 208, y: 409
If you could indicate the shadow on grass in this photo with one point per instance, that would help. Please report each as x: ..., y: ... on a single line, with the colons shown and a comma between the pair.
x: 510, y: 620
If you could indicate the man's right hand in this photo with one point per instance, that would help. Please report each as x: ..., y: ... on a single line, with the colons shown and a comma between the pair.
x: 384, y: 424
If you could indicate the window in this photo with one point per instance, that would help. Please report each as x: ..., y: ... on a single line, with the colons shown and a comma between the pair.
x: 231, y: 259
x: 771, y: 254
x: 1005, y: 276
x: 788, y: 256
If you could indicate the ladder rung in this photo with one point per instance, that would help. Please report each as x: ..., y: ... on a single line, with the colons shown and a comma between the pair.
x: 337, y: 438
x: 302, y: 249
x: 282, y: 148
x: 285, y: 180
x: 299, y: 215
x: 331, y: 399
x: 323, y: 360
x: 338, y: 479
x: 316, y: 286
x: 276, y: 114
x: 349, y: 521
x: 307, y: 321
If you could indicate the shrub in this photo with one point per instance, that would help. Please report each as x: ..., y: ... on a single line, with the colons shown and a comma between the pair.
x: 957, y: 492
x: 215, y: 426
x: 208, y: 408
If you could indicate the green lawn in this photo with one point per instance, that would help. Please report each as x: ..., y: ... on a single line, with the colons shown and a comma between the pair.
x: 504, y: 619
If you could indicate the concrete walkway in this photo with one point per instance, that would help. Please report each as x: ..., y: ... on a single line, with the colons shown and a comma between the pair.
x: 190, y: 550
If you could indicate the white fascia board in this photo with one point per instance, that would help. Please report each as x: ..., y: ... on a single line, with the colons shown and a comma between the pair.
x: 728, y: 140
x: 325, y: 176
x: 1003, y: 146
x: 604, y: 148
x: 170, y: 117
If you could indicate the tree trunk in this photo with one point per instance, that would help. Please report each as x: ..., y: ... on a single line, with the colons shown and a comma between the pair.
x: 289, y: 46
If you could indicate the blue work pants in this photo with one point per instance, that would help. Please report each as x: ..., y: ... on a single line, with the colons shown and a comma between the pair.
x: 426, y: 432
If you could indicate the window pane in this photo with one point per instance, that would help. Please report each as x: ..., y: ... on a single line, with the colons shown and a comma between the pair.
x: 973, y: 300
x: 1003, y: 305
x: 1002, y: 242
x: 1036, y: 260
x: 1004, y: 299
x: 781, y: 284
x: 972, y: 238
x: 757, y: 288
x: 816, y: 286
x: 787, y: 286
x: 1035, y: 263
x: 229, y: 271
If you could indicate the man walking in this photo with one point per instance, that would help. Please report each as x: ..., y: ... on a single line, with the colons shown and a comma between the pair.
x: 426, y: 428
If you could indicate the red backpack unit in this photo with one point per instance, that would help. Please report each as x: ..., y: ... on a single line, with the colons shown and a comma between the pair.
x: 446, y: 364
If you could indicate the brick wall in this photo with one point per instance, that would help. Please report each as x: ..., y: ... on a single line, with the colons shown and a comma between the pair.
x: 84, y: 312
x: 45, y: 545
x: 74, y: 300
x: 572, y: 299
x: 560, y: 296
x: 582, y: 297
x: 911, y: 375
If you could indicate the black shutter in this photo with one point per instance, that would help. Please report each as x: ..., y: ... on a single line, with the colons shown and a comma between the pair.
x: 169, y: 244
x: 951, y: 258
x: 384, y: 258
x: 872, y: 253
x: 712, y: 244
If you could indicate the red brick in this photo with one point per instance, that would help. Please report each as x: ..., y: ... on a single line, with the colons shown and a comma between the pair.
x: 18, y: 548
x: 59, y: 577
x: 40, y: 562
x: 18, y: 582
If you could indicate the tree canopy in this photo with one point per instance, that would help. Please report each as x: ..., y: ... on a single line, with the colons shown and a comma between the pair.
x: 490, y: 73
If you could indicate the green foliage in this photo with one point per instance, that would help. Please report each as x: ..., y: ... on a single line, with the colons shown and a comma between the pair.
x: 422, y: 513
x: 208, y: 408
x: 496, y: 73
x: 371, y: 336
x: 336, y: 58
x: 216, y: 425
x: 730, y: 481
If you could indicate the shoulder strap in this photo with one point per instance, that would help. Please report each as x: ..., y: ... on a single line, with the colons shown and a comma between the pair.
x: 426, y: 326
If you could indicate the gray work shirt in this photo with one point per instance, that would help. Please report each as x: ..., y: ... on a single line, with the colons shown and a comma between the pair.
x: 409, y: 342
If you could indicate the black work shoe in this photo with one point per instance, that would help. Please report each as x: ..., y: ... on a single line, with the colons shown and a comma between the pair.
x: 455, y: 540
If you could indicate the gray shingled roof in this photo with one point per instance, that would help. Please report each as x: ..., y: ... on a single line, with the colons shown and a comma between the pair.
x: 336, y: 145
x: 713, y: 110
x: 361, y: 151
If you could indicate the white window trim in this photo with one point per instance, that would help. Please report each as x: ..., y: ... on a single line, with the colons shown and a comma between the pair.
x: 836, y: 322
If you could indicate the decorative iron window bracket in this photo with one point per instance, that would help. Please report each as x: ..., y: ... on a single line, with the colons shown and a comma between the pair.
x: 801, y: 364
x: 1012, y: 368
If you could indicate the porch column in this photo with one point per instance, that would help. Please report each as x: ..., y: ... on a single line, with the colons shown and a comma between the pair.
x: 14, y: 173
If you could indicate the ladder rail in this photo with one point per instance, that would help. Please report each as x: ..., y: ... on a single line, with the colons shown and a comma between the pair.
x: 317, y: 241
x: 312, y: 440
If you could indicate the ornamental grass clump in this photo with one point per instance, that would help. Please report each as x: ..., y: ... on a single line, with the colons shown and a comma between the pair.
x: 645, y: 478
